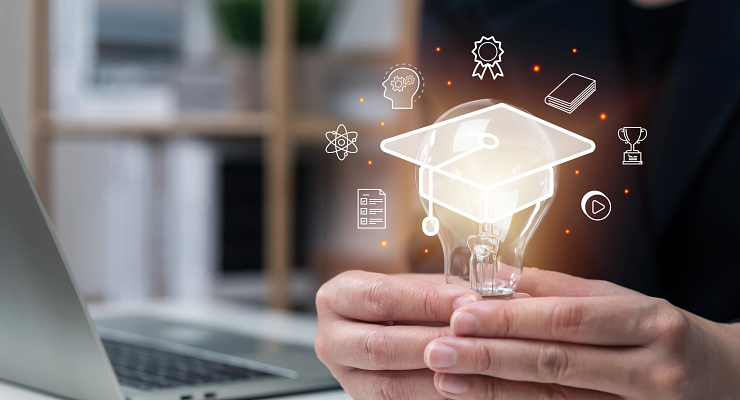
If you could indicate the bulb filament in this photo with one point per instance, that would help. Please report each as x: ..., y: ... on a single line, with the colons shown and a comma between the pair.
x: 484, y: 263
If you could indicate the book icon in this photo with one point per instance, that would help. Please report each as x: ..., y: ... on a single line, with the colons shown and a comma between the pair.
x: 573, y: 91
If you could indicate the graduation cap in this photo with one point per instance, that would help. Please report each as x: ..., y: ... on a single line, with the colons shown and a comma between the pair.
x: 488, y: 164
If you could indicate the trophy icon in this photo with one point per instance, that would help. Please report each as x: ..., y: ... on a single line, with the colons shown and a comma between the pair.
x: 632, y: 136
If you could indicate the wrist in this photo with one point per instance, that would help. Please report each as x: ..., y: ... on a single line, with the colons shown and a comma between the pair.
x: 723, y: 359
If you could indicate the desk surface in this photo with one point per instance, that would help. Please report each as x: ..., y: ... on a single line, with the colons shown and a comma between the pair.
x: 293, y: 328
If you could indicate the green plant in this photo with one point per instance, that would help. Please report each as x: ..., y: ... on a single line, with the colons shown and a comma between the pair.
x: 241, y: 21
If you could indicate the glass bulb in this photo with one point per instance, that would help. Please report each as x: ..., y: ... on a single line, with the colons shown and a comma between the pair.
x: 485, y: 256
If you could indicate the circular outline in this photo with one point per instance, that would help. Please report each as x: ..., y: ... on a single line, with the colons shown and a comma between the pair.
x: 424, y: 225
x: 489, y: 136
x: 590, y: 194
x: 487, y: 59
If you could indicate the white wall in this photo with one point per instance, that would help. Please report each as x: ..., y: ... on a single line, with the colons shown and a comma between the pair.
x: 15, y: 69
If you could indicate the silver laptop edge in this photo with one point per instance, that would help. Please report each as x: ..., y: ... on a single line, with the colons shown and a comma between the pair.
x: 48, y: 341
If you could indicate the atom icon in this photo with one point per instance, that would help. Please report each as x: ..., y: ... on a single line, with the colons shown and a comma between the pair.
x: 341, y: 142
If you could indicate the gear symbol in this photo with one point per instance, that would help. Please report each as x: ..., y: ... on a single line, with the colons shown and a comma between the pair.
x: 398, y: 84
x: 410, y: 80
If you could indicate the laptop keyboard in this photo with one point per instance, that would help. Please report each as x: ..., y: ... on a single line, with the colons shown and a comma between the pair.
x: 144, y: 368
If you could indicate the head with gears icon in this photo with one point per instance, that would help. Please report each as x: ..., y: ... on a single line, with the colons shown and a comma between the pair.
x: 401, y: 87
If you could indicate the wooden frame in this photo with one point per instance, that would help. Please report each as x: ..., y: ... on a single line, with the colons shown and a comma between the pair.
x: 277, y: 125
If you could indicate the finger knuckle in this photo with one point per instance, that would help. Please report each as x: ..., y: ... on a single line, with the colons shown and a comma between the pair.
x: 483, y: 361
x: 324, y: 297
x: 659, y: 320
x: 672, y: 323
x: 377, y: 353
x: 490, y: 390
x: 566, y: 319
x: 321, y: 346
x: 553, y: 363
x: 379, y: 300
x: 429, y: 300
x: 386, y: 387
x: 503, y: 317
x: 669, y: 379
x: 554, y: 392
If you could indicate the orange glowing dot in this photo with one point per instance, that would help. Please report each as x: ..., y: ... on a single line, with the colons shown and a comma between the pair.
x: 369, y: 162
x: 626, y: 191
x: 567, y: 231
x: 602, y: 116
x: 426, y: 251
x: 578, y: 172
x: 575, y: 50
x: 383, y: 243
x: 449, y: 83
x: 382, y: 123
x: 362, y: 99
x: 438, y: 48
x: 536, y: 68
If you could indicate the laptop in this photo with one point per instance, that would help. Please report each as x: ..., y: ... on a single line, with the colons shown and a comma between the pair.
x: 49, y: 343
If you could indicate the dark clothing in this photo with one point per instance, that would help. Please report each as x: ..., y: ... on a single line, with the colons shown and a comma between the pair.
x: 671, y: 70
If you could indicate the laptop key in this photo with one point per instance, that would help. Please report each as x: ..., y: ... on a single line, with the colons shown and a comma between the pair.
x: 149, y: 369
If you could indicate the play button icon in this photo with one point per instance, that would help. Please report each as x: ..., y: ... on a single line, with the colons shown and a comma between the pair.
x: 596, y: 205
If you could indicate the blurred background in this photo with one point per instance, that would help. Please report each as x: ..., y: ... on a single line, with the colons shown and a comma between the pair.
x: 179, y: 146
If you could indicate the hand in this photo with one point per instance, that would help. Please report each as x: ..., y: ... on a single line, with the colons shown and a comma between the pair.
x: 370, y: 356
x: 600, y: 341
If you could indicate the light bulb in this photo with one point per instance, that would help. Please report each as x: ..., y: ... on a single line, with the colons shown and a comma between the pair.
x: 487, y: 256
x: 486, y: 174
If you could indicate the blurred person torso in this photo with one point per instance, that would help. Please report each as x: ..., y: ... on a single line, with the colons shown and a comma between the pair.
x: 668, y: 68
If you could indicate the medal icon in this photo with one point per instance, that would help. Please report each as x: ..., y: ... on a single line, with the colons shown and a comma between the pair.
x: 487, y: 52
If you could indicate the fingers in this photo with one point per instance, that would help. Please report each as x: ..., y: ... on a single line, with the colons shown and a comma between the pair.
x: 390, y: 385
x: 541, y: 283
x: 378, y: 347
x: 589, y: 367
x: 434, y: 278
x: 612, y: 321
x: 477, y: 387
x: 375, y: 297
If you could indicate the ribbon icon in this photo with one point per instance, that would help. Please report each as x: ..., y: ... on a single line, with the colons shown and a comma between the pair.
x: 487, y: 52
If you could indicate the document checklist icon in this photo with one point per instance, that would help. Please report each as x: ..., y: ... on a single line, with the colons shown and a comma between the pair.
x: 371, y: 210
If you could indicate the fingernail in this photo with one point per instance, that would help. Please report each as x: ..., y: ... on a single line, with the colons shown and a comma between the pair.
x: 464, y: 323
x: 463, y: 300
x: 455, y: 384
x: 441, y: 356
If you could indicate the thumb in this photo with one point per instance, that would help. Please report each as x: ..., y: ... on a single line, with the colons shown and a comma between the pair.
x: 541, y: 283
